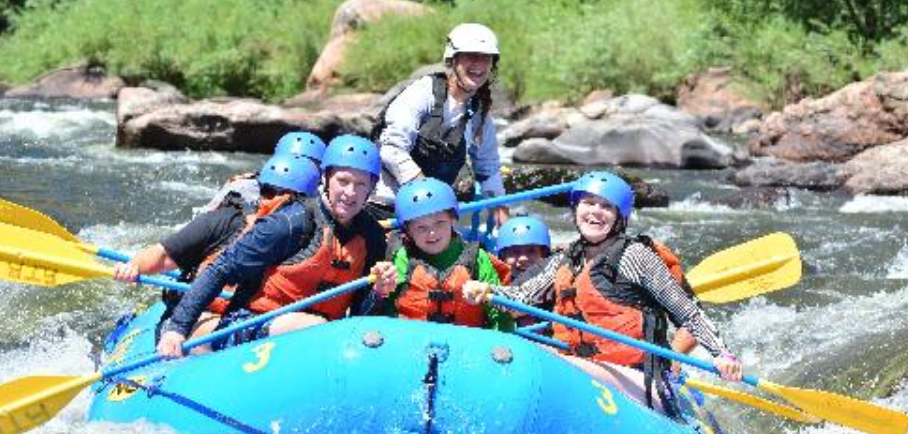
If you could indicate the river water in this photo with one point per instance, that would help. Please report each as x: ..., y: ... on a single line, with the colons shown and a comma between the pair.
x: 842, y: 329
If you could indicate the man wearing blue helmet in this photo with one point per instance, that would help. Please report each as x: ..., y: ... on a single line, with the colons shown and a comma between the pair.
x: 303, y: 247
x: 220, y: 220
x: 620, y: 283
x: 200, y: 242
x: 434, y: 262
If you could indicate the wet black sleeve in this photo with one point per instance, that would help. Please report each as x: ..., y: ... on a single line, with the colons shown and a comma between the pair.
x: 190, y: 245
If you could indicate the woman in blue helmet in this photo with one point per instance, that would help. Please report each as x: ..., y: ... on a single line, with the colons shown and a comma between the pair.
x: 434, y: 262
x: 301, y: 247
x: 617, y: 282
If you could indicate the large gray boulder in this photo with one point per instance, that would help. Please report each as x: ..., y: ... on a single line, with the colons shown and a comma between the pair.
x: 817, y: 175
x: 631, y: 130
x: 836, y: 127
x: 629, y: 141
x: 77, y: 82
x: 880, y: 170
x: 165, y: 120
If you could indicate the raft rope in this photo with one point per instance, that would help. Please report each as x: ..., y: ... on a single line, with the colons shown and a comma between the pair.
x: 431, y: 382
x: 154, y: 389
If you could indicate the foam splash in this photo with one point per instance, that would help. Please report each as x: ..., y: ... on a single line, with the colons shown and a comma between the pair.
x: 194, y: 190
x: 875, y: 204
x: 125, y: 236
x: 898, y: 268
x: 43, y: 125
x: 769, y: 332
x: 695, y: 204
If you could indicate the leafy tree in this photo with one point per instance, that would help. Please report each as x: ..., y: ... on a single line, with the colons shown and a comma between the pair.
x: 866, y: 21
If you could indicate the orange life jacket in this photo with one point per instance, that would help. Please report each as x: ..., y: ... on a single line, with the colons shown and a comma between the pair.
x: 598, y: 295
x: 324, y: 264
x: 435, y: 295
x: 265, y: 207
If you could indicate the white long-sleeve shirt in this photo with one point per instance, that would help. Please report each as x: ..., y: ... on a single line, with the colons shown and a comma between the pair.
x: 404, y: 117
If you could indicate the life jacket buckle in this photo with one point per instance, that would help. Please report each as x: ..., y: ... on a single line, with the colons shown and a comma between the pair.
x: 440, y: 296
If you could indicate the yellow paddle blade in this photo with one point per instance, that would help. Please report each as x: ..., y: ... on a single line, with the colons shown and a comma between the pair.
x: 37, y: 258
x: 29, y: 402
x: 18, y: 215
x: 756, y: 267
x: 753, y: 401
x: 842, y: 410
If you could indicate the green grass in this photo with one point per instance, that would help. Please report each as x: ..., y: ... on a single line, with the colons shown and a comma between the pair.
x: 238, y: 47
x: 551, y: 49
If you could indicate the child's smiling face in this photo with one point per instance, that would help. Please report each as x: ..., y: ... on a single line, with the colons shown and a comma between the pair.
x: 432, y: 233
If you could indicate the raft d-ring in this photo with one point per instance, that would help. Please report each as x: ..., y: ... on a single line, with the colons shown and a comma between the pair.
x: 605, y: 399
x: 439, y: 350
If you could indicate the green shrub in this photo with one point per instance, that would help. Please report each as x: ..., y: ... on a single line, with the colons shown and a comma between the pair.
x: 550, y: 49
x: 237, y: 47
x: 893, y: 54
x: 788, y: 63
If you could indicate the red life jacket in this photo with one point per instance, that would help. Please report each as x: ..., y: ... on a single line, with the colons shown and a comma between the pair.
x: 599, y: 296
x: 435, y: 295
x: 324, y: 264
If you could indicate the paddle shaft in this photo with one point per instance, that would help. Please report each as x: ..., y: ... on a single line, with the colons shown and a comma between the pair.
x: 260, y: 319
x: 114, y: 255
x: 554, y: 343
x: 87, y: 269
x: 615, y: 336
x: 504, y: 200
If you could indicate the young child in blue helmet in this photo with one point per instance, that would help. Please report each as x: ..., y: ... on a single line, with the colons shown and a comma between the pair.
x: 617, y: 282
x: 522, y: 243
x: 300, y: 248
x: 434, y: 262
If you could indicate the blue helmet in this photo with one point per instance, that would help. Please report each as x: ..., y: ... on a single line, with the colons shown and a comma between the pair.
x: 423, y: 196
x: 523, y: 231
x: 607, y: 186
x: 354, y: 152
x: 291, y: 172
x: 300, y: 143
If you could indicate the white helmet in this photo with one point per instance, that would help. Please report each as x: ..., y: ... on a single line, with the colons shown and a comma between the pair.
x: 471, y: 38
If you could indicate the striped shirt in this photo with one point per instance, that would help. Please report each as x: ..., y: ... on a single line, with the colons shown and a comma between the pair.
x: 638, y: 264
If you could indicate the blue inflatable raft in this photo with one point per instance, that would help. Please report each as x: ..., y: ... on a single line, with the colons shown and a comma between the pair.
x: 371, y: 374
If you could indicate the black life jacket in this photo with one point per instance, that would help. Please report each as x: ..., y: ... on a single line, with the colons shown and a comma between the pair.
x: 439, y: 151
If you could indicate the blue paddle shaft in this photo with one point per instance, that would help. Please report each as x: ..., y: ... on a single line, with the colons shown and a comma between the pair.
x: 114, y: 255
x: 260, y: 319
x: 555, y: 343
x: 615, y: 336
x: 508, y: 198
x: 170, y: 284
